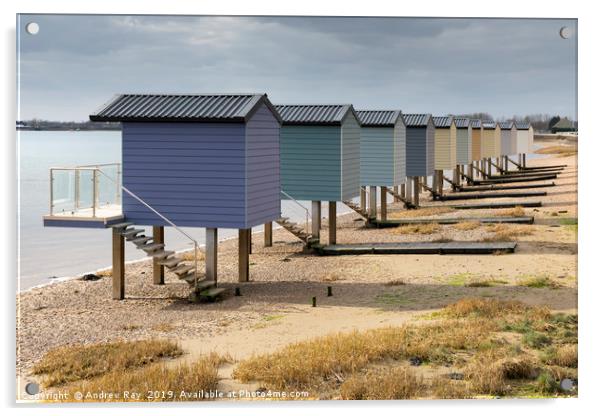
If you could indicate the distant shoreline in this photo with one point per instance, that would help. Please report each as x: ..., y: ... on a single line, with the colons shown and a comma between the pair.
x: 67, y: 129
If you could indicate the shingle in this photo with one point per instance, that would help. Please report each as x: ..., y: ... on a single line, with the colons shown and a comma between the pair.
x: 378, y: 118
x: 443, y: 122
x: 522, y: 125
x: 416, y: 120
x: 506, y: 125
x: 182, y: 107
x: 319, y: 114
x: 488, y: 124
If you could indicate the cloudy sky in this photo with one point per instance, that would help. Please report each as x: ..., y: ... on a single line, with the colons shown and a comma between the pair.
x: 504, y: 66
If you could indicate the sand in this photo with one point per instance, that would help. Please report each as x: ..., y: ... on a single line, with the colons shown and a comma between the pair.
x: 275, y: 309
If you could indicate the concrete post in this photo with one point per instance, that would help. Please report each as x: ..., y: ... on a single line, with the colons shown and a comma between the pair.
x: 243, y: 255
x: 332, y: 222
x: 383, y: 203
x: 267, y: 234
x: 158, y: 270
x: 211, y: 254
x: 118, y: 265
x: 316, y: 219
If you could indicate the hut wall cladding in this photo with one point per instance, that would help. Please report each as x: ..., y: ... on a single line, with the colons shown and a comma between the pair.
x: 488, y: 143
x: 420, y: 150
x: 445, y: 147
x: 506, y: 142
x: 399, y: 152
x: 310, y: 162
x: 464, y: 145
x: 497, y: 140
x: 199, y: 176
x: 522, y: 141
x: 513, y: 141
x: 377, y: 156
x: 350, y: 148
x: 477, y: 133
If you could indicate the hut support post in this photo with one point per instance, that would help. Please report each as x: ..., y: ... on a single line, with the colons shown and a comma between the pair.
x: 383, y: 203
x: 211, y: 254
x: 158, y: 270
x: 402, y: 190
x: 372, y: 204
x: 316, y: 218
x: 524, y: 164
x: 506, y: 163
x: 118, y: 265
x: 267, y: 234
x: 440, y: 180
x: 332, y: 222
x: 363, y: 198
x: 409, y: 184
x: 456, y: 178
x: 489, y: 166
x: 416, y: 190
x: 243, y: 254
x: 250, y: 241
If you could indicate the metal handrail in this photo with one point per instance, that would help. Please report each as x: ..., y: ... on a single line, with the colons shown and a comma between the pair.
x: 301, y: 205
x: 167, y: 220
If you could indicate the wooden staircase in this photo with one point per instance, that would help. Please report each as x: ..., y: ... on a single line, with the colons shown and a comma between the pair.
x: 357, y: 209
x: 297, y: 231
x: 203, y: 289
x: 405, y: 201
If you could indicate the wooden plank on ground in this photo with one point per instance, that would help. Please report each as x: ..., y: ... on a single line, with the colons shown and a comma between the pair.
x: 470, y: 195
x: 456, y: 247
x: 445, y: 221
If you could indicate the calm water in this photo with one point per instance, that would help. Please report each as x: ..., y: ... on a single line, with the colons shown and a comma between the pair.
x: 50, y: 252
x: 47, y: 253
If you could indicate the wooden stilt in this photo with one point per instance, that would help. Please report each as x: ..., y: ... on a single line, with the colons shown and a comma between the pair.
x: 332, y: 222
x: 250, y: 240
x: 243, y: 255
x: 363, y: 198
x: 267, y: 234
x: 158, y: 270
x: 372, y: 203
x: 416, y: 190
x: 211, y: 254
x: 383, y: 203
x: 524, y: 160
x: 489, y: 166
x: 118, y: 265
x: 402, y: 190
x: 409, y: 186
x: 316, y: 218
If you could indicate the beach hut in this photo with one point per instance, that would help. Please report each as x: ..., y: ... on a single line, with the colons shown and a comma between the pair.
x: 191, y: 160
x: 491, y: 143
x: 508, y: 141
x: 320, y: 157
x: 420, y: 149
x: 445, y: 149
x: 477, y: 146
x: 464, y: 152
x: 382, y: 154
x: 524, y: 134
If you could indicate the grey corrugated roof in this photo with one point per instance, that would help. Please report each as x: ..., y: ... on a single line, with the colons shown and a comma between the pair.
x: 506, y: 125
x: 475, y: 123
x: 462, y: 122
x: 318, y: 114
x: 416, y: 120
x: 182, y: 107
x: 444, y: 122
x: 378, y: 118
x: 522, y: 125
x: 488, y: 124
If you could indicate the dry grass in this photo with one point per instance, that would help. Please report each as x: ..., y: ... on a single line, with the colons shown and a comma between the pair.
x: 424, y: 229
x: 163, y: 383
x: 396, y: 384
x: 329, y: 277
x: 467, y: 225
x: 562, y: 150
x: 104, y: 273
x: 562, y: 356
x: 395, y: 282
x: 163, y: 327
x: 517, y: 211
x: 539, y: 282
x: 189, y: 255
x: 506, y: 232
x: 80, y: 362
x: 444, y: 388
x: 421, y: 212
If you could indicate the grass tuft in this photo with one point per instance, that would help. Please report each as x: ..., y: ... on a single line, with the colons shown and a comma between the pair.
x: 539, y: 282
x: 517, y: 211
x: 80, y: 362
x: 467, y: 225
x: 429, y: 228
x: 397, y: 384
x: 421, y: 212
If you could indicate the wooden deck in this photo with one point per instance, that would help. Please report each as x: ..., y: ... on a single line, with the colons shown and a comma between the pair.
x: 469, y: 195
x: 446, y: 221
x: 456, y: 247
x: 493, y: 205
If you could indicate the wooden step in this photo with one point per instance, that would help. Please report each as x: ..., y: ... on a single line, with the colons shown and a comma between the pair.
x: 205, y: 284
x: 163, y: 254
x: 141, y: 240
x: 212, y: 293
x: 171, y: 262
x: 183, y: 269
x: 122, y: 225
x: 130, y: 234
x: 152, y: 247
